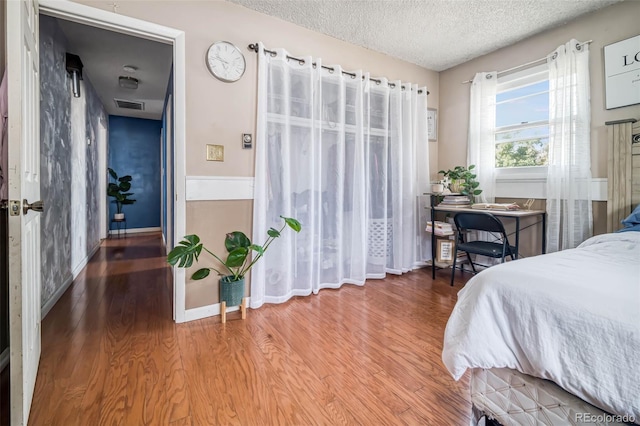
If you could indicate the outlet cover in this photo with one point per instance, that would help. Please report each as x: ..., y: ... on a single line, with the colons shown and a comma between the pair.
x: 215, y: 152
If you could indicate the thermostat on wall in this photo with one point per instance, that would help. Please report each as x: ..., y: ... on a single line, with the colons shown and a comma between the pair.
x: 246, y: 140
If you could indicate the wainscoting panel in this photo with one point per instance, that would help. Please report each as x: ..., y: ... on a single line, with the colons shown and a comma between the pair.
x: 211, y: 188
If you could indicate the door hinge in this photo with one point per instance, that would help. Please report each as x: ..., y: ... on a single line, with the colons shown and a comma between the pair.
x: 14, y: 208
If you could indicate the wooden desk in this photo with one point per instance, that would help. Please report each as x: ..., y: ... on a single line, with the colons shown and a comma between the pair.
x: 516, y: 214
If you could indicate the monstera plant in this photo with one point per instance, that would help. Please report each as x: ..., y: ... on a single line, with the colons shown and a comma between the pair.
x: 119, y: 190
x: 237, y: 263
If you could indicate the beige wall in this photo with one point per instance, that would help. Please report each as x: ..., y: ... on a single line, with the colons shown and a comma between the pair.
x: 220, y: 112
x: 211, y: 220
x: 604, y: 27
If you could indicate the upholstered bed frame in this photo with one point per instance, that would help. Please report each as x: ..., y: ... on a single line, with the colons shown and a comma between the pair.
x: 623, y: 176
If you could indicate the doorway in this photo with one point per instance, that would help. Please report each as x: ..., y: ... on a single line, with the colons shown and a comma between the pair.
x: 98, y: 18
x: 21, y: 395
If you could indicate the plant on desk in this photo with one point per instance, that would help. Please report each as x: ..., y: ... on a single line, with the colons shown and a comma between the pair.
x: 463, y: 180
x: 118, y: 190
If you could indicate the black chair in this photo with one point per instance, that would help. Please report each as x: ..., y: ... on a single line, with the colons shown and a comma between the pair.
x: 480, y: 221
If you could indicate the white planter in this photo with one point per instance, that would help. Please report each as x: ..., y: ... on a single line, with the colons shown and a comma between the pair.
x: 437, y: 188
x: 118, y: 216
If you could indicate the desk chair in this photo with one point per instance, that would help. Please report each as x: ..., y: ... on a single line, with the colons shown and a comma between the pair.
x: 480, y: 221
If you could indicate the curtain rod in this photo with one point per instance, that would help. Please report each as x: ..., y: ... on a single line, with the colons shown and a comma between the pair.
x: 527, y: 64
x: 254, y: 47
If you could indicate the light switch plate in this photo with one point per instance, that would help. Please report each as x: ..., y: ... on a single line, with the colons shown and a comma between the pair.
x: 215, y: 152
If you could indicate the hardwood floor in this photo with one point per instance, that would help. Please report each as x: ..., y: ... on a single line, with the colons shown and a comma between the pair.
x: 4, y: 397
x: 112, y: 355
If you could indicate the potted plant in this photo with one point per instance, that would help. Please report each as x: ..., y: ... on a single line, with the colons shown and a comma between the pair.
x: 462, y: 180
x: 118, y: 190
x: 235, y: 266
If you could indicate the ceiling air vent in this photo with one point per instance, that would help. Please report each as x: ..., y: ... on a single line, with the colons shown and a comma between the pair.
x: 125, y: 104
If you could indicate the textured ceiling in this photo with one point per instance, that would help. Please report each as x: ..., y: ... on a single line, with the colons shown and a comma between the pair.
x: 435, y: 34
x: 104, y: 53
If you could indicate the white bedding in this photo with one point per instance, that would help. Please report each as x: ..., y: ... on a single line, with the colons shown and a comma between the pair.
x: 572, y: 317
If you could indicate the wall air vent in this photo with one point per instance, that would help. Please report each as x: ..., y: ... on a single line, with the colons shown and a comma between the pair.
x: 126, y: 104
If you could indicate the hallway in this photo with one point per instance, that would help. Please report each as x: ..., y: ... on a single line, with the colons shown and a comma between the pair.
x: 111, y: 353
x: 110, y: 342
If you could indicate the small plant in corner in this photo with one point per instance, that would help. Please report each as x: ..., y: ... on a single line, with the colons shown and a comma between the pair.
x: 237, y: 263
x: 118, y: 190
x: 463, y: 180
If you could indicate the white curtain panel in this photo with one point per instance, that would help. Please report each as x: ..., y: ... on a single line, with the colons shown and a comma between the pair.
x: 570, y: 217
x: 482, y: 129
x: 338, y: 153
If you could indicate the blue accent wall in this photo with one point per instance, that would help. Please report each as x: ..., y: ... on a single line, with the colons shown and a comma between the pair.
x: 134, y: 149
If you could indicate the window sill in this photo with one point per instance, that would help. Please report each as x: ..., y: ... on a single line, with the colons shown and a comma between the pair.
x: 532, y: 186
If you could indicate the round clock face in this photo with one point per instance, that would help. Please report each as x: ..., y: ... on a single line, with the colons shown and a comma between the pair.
x: 225, y: 61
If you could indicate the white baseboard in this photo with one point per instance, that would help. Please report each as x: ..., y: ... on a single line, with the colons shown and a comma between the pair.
x: 84, y: 261
x: 209, y: 311
x: 4, y: 359
x: 55, y: 297
x: 67, y: 283
x: 135, y: 230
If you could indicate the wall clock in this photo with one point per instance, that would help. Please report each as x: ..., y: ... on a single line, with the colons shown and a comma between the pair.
x: 225, y: 61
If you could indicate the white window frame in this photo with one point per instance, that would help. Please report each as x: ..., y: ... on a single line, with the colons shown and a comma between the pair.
x: 521, y: 174
x: 531, y: 182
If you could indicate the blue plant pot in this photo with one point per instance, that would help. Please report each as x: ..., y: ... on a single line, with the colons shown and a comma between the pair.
x: 231, y: 291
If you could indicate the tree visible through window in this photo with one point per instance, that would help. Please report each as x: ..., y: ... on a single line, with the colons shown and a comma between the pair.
x: 522, y: 122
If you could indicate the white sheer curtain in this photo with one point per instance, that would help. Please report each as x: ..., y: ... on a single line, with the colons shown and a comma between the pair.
x: 482, y: 124
x: 570, y: 217
x: 338, y: 153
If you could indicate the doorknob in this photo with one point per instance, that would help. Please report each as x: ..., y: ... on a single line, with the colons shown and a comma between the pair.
x: 37, y: 206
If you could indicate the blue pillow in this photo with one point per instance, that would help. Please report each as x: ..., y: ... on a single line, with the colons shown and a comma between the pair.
x: 632, y: 222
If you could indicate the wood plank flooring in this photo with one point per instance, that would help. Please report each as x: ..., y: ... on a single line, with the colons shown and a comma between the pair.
x: 4, y: 397
x: 112, y: 355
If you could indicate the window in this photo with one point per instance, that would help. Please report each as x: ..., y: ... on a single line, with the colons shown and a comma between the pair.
x: 522, y: 119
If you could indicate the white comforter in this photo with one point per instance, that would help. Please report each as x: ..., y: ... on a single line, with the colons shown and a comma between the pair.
x: 572, y: 317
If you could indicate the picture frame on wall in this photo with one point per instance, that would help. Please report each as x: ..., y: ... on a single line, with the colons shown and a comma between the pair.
x: 432, y: 124
x: 622, y: 73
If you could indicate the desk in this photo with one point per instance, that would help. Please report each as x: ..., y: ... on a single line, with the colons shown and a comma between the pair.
x: 516, y: 214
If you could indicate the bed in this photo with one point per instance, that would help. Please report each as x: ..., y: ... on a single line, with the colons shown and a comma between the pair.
x: 555, y: 339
